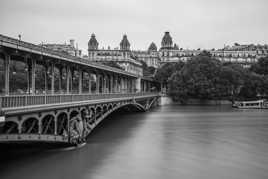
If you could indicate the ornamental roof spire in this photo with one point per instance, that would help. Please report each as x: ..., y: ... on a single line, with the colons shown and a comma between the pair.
x: 167, y: 41
x: 124, y: 44
x: 93, y: 43
x: 152, y: 47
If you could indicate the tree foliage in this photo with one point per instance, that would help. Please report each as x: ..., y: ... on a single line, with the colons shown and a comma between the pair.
x: 165, y: 71
x: 261, y: 67
x: 204, y: 77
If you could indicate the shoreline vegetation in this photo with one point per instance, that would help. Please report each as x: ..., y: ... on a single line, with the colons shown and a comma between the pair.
x: 206, y: 78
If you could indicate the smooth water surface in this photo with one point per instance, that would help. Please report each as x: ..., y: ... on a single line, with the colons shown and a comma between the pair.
x: 182, y: 142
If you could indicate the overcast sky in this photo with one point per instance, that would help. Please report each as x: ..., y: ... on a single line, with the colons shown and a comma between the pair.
x: 192, y: 23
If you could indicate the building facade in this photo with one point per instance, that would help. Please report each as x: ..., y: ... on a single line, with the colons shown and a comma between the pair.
x: 242, y: 54
x: 65, y: 48
x: 123, y: 57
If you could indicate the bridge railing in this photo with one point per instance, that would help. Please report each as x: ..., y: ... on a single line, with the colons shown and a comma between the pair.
x: 14, y: 101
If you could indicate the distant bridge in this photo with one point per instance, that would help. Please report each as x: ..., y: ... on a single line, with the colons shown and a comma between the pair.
x: 47, y: 96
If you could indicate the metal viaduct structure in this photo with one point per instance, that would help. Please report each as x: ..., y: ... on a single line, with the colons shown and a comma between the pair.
x: 48, y: 96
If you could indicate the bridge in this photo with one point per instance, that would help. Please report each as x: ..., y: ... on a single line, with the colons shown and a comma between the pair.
x: 52, y: 97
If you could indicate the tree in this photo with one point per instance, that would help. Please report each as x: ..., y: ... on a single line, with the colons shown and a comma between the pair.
x: 197, y: 79
x: 164, y: 72
x: 252, y: 86
x: 261, y: 67
x: 147, y: 71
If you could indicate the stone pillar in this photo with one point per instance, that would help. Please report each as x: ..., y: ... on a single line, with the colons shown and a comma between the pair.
x: 80, y: 81
x: 7, y: 64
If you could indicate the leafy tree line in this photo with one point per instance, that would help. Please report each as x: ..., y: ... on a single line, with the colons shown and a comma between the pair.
x: 204, y: 77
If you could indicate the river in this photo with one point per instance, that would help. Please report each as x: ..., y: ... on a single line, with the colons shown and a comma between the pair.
x: 180, y: 142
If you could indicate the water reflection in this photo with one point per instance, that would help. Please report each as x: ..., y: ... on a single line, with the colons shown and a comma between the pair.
x: 167, y: 142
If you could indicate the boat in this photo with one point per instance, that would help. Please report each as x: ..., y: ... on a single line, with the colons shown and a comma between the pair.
x: 257, y: 104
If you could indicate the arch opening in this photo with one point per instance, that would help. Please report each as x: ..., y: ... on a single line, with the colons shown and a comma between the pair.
x: 48, y: 125
x: 9, y: 127
x: 62, y: 124
x: 30, y: 126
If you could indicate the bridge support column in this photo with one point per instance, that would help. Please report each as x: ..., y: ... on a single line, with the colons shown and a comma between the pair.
x: 122, y: 85
x: 111, y: 84
x: 133, y: 85
x: 97, y: 83
x: 104, y: 84
x: 32, y: 75
x: 127, y: 85
x: 39, y: 126
x: 60, y: 79
x: 68, y: 76
x: 89, y: 82
x: 115, y: 84
x: 138, y: 85
x: 118, y: 84
x: 80, y: 81
x: 7, y: 64
x: 52, y: 78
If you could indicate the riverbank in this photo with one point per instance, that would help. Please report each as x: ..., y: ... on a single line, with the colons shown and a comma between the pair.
x: 166, y: 100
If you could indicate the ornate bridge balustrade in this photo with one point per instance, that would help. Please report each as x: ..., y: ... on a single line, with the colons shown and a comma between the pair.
x: 47, y: 96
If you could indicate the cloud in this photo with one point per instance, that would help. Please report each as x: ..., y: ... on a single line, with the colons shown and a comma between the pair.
x: 193, y: 23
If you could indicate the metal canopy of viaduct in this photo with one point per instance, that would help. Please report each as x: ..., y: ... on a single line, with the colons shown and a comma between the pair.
x: 50, y: 96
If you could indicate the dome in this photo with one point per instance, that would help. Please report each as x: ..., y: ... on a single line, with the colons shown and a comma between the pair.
x: 167, y: 41
x: 152, y: 47
x: 93, y: 43
x: 124, y: 44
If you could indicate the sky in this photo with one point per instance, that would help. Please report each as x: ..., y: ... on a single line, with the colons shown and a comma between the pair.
x: 192, y: 24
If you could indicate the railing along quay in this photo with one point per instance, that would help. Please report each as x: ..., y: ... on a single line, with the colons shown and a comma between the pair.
x: 13, y: 101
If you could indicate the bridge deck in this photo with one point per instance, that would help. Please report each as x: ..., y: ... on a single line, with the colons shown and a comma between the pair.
x: 11, y: 106
x: 27, y: 103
